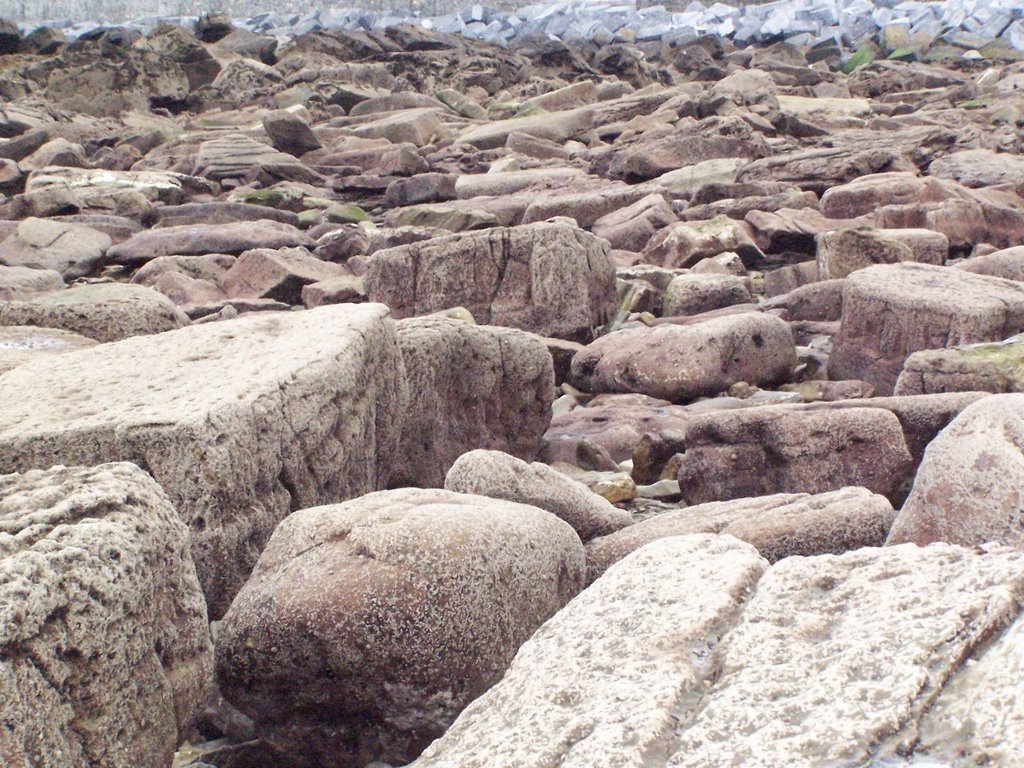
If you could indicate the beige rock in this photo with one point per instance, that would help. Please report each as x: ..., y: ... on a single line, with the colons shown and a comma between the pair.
x: 106, y: 656
x: 501, y: 476
x: 606, y: 681
x: 413, y: 126
x: 553, y: 126
x: 781, y: 525
x: 470, y: 386
x: 264, y: 273
x: 693, y: 294
x: 368, y: 626
x: 1007, y: 263
x: 995, y: 367
x: 549, y: 278
x: 22, y: 343
x: 101, y: 311
x: 71, y: 249
x: 510, y: 182
x: 843, y: 251
x: 21, y: 283
x: 630, y: 228
x: 687, y: 242
x: 240, y: 422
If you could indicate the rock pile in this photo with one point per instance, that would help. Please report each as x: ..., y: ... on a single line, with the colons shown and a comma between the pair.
x: 383, y: 396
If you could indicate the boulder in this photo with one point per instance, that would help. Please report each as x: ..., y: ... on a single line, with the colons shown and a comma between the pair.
x: 604, y: 682
x: 843, y: 251
x: 683, y: 362
x: 264, y: 273
x: 891, y: 311
x: 240, y: 422
x: 549, y: 278
x: 630, y: 228
x: 289, y: 133
x: 236, y: 156
x: 779, y: 526
x: 968, y: 488
x: 368, y: 626
x: 22, y: 283
x: 199, y: 239
x: 71, y: 249
x: 687, y: 242
x: 22, y: 343
x: 1007, y: 263
x: 101, y: 311
x: 694, y: 294
x: 106, y: 657
x: 410, y: 126
x: 498, y: 475
x: 996, y: 367
x: 470, y: 386
x: 979, y: 168
x: 792, y: 449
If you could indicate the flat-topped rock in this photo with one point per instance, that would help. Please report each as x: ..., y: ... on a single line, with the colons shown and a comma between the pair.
x: 21, y: 283
x: 240, y: 422
x: 71, y: 249
x: 994, y: 367
x: 892, y: 311
x: 106, y: 656
x: 22, y: 343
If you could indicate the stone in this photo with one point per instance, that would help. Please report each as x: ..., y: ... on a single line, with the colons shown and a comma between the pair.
x: 346, y: 289
x: 265, y: 273
x: 509, y: 182
x: 843, y: 251
x: 979, y: 168
x: 22, y: 283
x: 606, y: 680
x: 793, y: 449
x: 683, y: 362
x: 236, y: 156
x: 891, y: 311
x: 549, y: 278
x: 22, y: 343
x: 411, y: 126
x: 106, y: 658
x: 71, y: 249
x: 471, y: 386
x: 967, y: 489
x: 296, y: 409
x: 289, y: 133
x: 1007, y: 263
x: 819, y: 301
x: 368, y: 626
x: 557, y: 127
x: 694, y: 294
x: 996, y: 367
x: 631, y: 228
x: 100, y: 311
x: 687, y: 242
x: 200, y: 239
x: 779, y: 526
x: 501, y: 476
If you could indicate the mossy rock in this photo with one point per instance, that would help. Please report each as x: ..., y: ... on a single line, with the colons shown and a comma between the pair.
x: 864, y: 56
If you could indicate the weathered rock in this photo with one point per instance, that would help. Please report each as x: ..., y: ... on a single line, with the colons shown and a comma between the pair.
x: 22, y: 343
x: 411, y: 126
x: 997, y: 367
x: 967, y: 490
x: 792, y: 449
x: 296, y: 409
x: 686, y: 243
x: 101, y: 311
x: 630, y: 228
x: 501, y: 476
x: 782, y: 525
x: 693, y: 294
x: 683, y: 362
x: 891, y: 311
x: 550, y: 278
x: 290, y: 133
x: 281, y: 274
x: 106, y: 654
x: 604, y: 681
x: 820, y: 301
x: 71, y: 249
x: 335, y: 290
x: 843, y: 251
x: 22, y: 283
x: 470, y: 387
x: 556, y: 126
x: 1007, y: 263
x: 236, y: 156
x: 368, y: 626
x: 979, y: 168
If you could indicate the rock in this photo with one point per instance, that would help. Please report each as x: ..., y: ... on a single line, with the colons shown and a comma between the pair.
x: 290, y: 133
x: 967, y: 489
x: 501, y: 476
x: 100, y: 311
x: 235, y: 156
x: 686, y: 243
x: 820, y: 301
x: 336, y: 290
x: 22, y: 343
x: 200, y: 239
x: 264, y: 273
x: 509, y: 182
x: 979, y: 168
x: 779, y: 526
x: 23, y: 283
x: 411, y: 126
x: 1007, y: 263
x: 557, y: 127
x: 696, y: 293
x: 792, y: 449
x: 630, y: 228
x: 295, y: 410
x: 892, y: 311
x: 549, y: 278
x: 71, y: 249
x: 56, y: 152
x: 422, y: 188
x: 368, y: 626
x: 843, y: 251
x: 10, y: 37
x: 107, y: 656
x: 575, y: 696
x: 997, y: 367
x: 470, y: 387
x: 683, y: 362
x: 222, y: 213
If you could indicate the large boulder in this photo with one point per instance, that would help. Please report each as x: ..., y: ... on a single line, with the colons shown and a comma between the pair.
x: 20, y: 283
x: 996, y: 367
x: 367, y: 626
x: 22, y: 343
x: 687, y: 242
x: 684, y: 362
x: 781, y: 525
x: 241, y: 422
x: 792, y: 449
x: 281, y: 274
x: 843, y: 251
x: 470, y: 387
x: 550, y: 278
x: 105, y: 654
x: 890, y: 311
x: 969, y: 488
x: 688, y: 653
x: 71, y: 249
x: 100, y: 311
x: 501, y: 476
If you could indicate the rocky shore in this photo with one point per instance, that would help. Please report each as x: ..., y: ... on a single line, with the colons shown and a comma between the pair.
x: 376, y: 392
